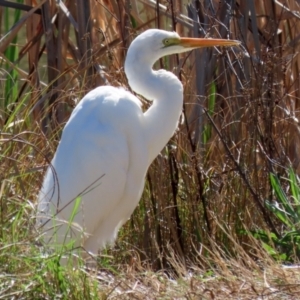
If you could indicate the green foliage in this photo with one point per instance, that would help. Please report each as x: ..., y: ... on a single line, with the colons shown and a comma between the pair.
x: 206, y: 135
x: 286, y: 208
x: 25, y: 272
x: 11, y: 53
x: 242, y: 99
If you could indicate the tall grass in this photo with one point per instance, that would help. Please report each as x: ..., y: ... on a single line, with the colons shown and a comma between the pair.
x: 210, y: 185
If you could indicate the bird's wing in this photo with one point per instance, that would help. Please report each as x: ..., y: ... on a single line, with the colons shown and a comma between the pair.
x: 92, y: 161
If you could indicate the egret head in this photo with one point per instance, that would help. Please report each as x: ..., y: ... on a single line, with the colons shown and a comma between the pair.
x: 153, y: 44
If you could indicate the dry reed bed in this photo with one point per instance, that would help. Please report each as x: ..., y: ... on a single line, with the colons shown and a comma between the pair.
x: 240, y: 117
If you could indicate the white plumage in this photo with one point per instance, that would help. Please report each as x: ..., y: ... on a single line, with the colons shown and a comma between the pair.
x: 108, y: 144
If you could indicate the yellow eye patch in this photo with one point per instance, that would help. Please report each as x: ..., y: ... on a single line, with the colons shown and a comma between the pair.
x: 170, y: 42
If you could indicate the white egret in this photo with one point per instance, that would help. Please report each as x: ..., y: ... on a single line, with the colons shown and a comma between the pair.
x: 108, y: 144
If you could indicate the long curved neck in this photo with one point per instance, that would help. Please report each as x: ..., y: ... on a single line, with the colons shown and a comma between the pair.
x: 166, y: 92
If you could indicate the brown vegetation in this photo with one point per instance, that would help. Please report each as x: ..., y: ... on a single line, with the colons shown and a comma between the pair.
x: 240, y: 123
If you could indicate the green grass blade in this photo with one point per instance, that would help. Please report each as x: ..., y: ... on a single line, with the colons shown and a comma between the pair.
x: 281, y: 196
x: 11, y: 88
x: 212, y: 98
x: 294, y: 186
x: 279, y: 213
x: 206, y: 135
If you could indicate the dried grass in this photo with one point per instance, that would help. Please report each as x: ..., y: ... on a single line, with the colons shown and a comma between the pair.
x: 211, y: 182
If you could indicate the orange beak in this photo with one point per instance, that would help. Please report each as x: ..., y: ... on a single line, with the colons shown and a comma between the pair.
x: 201, y: 42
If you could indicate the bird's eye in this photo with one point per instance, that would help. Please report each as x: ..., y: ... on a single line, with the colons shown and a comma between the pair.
x: 167, y: 42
